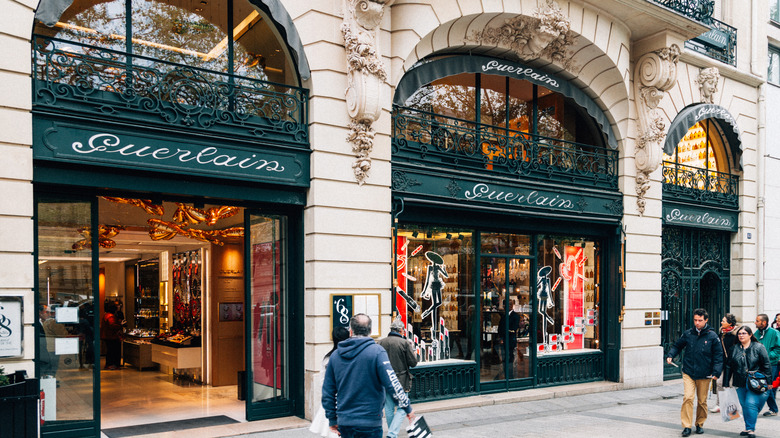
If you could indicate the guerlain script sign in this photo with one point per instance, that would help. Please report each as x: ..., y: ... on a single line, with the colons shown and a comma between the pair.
x: 532, y: 198
x: 700, y: 217
x: 133, y: 150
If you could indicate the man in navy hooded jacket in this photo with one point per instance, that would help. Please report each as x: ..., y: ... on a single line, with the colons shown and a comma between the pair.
x: 358, y: 375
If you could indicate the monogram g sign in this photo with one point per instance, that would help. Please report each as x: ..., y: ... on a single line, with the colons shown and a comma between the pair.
x: 10, y: 326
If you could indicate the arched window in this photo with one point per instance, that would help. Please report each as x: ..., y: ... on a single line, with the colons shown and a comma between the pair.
x: 700, y: 161
x: 505, y: 123
x: 196, y: 34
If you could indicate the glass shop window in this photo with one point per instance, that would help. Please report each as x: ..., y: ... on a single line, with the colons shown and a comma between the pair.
x: 434, y: 293
x: 568, y: 294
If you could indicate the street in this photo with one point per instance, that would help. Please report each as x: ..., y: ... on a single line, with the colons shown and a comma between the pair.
x: 646, y: 412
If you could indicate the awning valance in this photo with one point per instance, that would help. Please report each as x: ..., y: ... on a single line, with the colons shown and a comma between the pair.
x: 429, y: 71
x: 695, y: 113
x: 50, y: 11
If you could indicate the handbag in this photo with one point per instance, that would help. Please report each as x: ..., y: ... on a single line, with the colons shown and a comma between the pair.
x: 757, y: 382
x: 419, y: 429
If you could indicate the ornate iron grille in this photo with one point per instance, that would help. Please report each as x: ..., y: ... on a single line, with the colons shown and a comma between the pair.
x: 576, y: 368
x: 703, y: 186
x: 76, y: 78
x: 435, y: 140
x: 435, y: 383
x: 699, y: 10
x: 695, y: 273
x: 726, y: 51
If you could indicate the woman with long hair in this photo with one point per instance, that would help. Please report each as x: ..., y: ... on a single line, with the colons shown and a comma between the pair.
x: 728, y: 337
x: 747, y: 355
x: 320, y: 425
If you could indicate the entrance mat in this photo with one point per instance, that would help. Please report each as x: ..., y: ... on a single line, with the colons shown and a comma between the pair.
x: 168, y: 426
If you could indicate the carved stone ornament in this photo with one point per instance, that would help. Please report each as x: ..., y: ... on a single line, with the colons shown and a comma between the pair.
x: 365, y: 76
x: 655, y: 74
x: 546, y: 34
x: 708, y: 84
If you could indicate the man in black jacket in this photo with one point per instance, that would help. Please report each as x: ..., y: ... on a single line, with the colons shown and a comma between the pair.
x: 702, y: 363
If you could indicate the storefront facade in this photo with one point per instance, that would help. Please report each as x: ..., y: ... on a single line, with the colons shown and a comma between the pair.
x: 498, y: 165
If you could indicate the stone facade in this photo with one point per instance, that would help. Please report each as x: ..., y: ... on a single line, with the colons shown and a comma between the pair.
x: 347, y: 218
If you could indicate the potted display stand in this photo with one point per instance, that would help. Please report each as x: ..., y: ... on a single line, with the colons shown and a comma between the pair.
x: 19, y: 411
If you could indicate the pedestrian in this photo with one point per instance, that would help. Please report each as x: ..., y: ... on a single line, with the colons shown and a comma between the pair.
x: 110, y: 334
x: 776, y: 324
x: 402, y: 357
x: 319, y: 424
x: 728, y: 337
x: 770, y: 339
x: 702, y: 363
x: 747, y: 355
x: 358, y: 375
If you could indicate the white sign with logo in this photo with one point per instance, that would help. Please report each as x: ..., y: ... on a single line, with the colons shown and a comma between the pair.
x: 10, y: 327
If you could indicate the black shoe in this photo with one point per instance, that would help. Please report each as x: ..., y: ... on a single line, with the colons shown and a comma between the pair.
x: 770, y: 414
x: 744, y: 433
x: 751, y: 435
x: 699, y: 430
x: 686, y: 431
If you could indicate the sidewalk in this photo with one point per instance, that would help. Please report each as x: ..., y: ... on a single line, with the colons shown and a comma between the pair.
x: 599, y: 409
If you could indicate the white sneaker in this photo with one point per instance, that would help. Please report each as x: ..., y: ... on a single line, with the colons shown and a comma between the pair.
x: 715, y: 409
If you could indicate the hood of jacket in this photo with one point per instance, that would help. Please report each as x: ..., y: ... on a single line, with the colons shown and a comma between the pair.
x: 349, y: 348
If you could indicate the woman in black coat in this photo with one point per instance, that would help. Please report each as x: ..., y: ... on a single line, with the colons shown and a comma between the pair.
x: 747, y: 355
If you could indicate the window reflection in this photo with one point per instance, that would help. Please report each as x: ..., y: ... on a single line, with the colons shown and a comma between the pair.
x: 435, y: 278
x: 567, y: 290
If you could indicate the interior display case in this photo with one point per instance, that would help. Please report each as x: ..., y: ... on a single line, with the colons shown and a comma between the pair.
x: 146, y: 314
x: 187, y: 281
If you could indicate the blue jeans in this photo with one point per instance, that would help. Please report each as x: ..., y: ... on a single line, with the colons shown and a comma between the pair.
x: 771, y: 403
x: 751, y: 406
x: 393, y: 415
x: 360, y: 432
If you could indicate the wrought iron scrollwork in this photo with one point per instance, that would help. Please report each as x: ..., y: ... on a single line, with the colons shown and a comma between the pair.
x: 433, y: 139
x: 700, y: 185
x: 72, y: 77
x: 700, y: 10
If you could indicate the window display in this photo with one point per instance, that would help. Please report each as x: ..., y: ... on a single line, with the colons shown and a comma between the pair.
x: 434, y: 296
x: 567, y: 292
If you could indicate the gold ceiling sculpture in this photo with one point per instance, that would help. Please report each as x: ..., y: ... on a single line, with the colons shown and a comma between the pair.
x: 105, y: 233
x: 185, y: 213
x: 165, y: 230
x: 146, y: 204
x: 183, y: 217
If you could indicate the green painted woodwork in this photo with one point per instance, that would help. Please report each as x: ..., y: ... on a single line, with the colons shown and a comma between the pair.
x: 568, y: 369
x: 695, y: 273
x: 443, y: 382
x: 66, y: 141
x: 472, y: 191
x: 701, y: 217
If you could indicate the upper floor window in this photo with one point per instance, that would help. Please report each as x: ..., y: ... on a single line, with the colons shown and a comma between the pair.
x: 774, y: 10
x: 773, y: 73
x: 220, y: 35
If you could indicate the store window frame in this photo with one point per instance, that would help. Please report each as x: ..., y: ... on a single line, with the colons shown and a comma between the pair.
x: 592, y: 365
x: 773, y: 64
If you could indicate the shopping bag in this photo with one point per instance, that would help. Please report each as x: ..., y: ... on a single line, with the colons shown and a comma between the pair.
x: 730, y: 408
x: 419, y: 429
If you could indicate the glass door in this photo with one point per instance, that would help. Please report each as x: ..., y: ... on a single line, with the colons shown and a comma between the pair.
x: 66, y: 347
x: 269, y: 350
x: 506, y: 321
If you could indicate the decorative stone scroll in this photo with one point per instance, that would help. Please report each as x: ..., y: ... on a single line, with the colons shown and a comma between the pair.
x: 708, y: 84
x: 655, y: 74
x: 546, y: 34
x: 365, y: 77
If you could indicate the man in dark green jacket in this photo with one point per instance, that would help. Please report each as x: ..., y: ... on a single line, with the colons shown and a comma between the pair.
x: 771, y: 340
x: 702, y: 363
